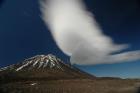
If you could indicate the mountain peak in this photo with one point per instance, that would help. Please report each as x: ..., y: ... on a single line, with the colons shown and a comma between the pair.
x: 37, y: 62
x: 43, y: 66
x: 40, y: 62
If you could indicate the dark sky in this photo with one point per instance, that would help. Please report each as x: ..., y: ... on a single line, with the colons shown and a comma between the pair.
x: 119, y: 19
x: 23, y: 33
x: 1, y: 2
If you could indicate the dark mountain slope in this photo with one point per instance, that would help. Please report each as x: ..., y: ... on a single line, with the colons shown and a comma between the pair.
x: 41, y: 67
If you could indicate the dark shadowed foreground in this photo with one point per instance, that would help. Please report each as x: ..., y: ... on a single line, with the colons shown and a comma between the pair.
x: 48, y: 74
x: 72, y: 86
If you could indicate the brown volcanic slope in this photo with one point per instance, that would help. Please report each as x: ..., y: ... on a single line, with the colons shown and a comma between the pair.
x: 48, y: 74
x: 42, y: 67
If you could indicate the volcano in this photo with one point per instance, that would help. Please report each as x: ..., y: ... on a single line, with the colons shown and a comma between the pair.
x: 47, y: 67
x: 49, y: 74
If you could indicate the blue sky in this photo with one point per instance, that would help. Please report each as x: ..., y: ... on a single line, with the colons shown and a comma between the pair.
x: 23, y: 34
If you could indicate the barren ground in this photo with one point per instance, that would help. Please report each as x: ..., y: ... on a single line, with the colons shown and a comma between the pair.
x: 73, y: 86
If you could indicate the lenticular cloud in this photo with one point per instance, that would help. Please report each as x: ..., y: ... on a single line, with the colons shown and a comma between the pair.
x: 78, y: 35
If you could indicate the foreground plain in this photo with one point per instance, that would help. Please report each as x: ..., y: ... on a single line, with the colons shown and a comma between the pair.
x: 73, y: 86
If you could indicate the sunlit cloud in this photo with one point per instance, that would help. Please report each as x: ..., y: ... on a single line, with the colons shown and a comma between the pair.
x: 79, y: 36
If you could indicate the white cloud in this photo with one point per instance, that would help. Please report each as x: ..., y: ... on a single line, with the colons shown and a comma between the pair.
x: 78, y: 35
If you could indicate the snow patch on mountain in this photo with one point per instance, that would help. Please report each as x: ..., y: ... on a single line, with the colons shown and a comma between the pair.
x: 37, y: 62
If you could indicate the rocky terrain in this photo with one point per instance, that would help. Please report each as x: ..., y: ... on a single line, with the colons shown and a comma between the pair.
x: 49, y: 74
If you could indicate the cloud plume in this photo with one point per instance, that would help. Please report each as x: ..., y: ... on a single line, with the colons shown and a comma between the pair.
x: 78, y: 35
